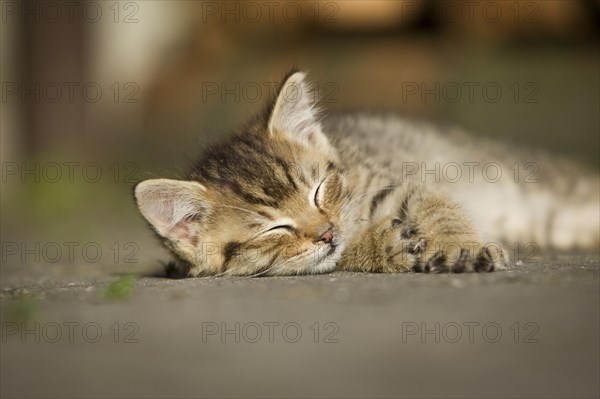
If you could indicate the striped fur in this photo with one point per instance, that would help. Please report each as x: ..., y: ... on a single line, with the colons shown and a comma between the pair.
x: 291, y: 194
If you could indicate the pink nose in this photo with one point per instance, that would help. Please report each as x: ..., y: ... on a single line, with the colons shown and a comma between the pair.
x: 326, y: 237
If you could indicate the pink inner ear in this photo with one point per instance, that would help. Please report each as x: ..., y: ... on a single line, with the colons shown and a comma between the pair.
x: 182, y: 231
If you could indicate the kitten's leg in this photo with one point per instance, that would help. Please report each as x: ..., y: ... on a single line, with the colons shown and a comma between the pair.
x: 535, y: 214
x: 429, y: 233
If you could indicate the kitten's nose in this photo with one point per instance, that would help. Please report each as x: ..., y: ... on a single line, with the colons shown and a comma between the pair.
x: 326, y: 237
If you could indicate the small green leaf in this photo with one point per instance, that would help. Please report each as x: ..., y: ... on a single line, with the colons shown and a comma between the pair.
x: 121, y: 288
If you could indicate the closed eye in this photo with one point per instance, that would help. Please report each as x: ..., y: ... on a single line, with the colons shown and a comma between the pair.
x: 316, y: 199
x: 286, y: 227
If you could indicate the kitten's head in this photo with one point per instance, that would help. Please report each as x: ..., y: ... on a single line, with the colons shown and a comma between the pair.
x: 269, y: 202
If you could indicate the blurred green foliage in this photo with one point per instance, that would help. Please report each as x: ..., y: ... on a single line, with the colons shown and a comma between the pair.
x: 121, y: 289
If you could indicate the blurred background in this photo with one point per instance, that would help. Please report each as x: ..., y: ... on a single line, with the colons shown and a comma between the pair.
x: 98, y: 95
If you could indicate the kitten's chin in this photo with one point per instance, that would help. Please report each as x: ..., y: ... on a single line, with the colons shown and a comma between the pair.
x: 324, y: 267
x: 328, y: 262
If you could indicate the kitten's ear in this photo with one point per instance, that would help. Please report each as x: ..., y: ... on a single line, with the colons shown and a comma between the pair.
x: 294, y: 113
x: 174, y: 208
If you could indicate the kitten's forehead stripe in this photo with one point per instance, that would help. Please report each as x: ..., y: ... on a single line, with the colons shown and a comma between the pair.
x: 314, y: 172
x: 299, y: 172
x: 286, y: 169
x: 250, y: 169
x: 265, y: 215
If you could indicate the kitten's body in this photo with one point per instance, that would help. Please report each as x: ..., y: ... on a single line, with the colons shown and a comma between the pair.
x: 511, y: 195
x: 292, y: 195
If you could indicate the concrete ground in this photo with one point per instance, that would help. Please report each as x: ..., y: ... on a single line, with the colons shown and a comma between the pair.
x: 532, y: 331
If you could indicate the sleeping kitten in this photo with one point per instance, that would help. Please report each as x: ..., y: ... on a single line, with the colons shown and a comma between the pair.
x: 292, y: 194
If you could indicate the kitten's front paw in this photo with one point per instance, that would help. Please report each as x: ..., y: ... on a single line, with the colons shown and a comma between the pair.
x: 457, y: 253
x: 472, y: 258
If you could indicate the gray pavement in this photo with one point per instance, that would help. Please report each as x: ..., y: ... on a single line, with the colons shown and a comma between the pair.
x: 531, y: 331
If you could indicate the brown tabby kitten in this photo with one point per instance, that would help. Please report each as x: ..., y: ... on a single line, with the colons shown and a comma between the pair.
x: 291, y: 194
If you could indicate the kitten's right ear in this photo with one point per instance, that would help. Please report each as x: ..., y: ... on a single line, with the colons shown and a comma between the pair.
x: 174, y: 208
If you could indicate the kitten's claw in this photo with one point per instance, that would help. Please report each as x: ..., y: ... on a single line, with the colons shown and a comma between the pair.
x: 484, y: 262
x: 461, y: 264
x: 437, y: 263
x: 488, y: 259
x: 403, y: 250
x: 419, y: 247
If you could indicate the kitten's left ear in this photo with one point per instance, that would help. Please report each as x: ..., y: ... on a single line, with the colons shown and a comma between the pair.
x: 295, y: 114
